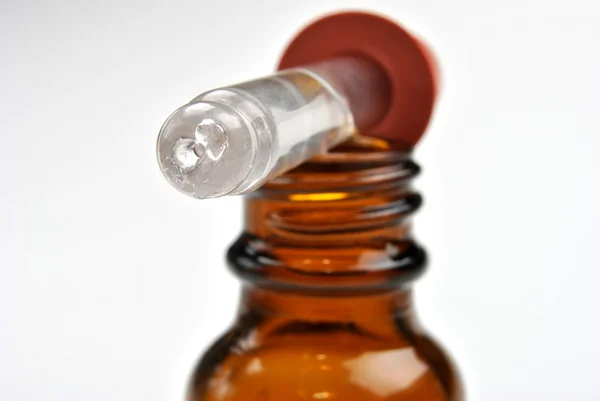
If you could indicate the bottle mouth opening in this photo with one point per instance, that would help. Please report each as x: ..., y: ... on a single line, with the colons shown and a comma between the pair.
x: 355, y: 163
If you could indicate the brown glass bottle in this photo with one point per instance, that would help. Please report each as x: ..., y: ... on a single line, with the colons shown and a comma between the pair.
x: 327, y: 262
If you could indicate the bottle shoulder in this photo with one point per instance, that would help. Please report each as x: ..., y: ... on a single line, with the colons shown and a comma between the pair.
x: 295, y: 360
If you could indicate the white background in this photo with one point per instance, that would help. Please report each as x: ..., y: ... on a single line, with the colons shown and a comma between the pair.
x: 111, y: 282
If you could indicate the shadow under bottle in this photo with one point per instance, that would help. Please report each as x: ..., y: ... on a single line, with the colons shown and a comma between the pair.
x: 327, y: 262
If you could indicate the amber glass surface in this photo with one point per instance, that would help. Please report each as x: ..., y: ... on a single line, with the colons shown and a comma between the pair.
x: 327, y: 261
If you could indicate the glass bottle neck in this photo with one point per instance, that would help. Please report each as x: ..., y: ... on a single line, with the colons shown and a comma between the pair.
x: 334, y: 225
x: 326, y: 308
x: 377, y: 314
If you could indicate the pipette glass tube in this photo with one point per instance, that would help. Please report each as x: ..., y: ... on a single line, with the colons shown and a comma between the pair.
x: 231, y: 140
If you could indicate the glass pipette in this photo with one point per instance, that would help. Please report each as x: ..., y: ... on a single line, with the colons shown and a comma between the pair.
x: 231, y: 140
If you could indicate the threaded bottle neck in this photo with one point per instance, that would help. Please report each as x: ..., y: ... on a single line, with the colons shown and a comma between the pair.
x: 338, y: 222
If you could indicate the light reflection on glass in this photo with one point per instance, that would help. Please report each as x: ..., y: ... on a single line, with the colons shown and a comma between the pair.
x: 386, y: 372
